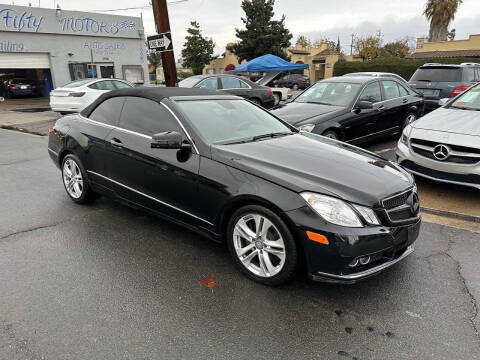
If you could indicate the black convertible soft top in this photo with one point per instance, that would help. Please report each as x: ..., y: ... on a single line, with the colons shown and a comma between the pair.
x: 152, y: 93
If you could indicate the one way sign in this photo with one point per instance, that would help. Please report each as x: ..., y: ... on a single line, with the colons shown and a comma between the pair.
x: 160, y: 42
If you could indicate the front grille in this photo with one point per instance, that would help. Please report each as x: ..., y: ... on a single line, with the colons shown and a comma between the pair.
x: 463, y: 178
x: 458, y: 154
x: 402, y: 207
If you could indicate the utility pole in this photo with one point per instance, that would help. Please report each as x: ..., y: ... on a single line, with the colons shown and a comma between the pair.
x: 162, y: 22
x: 351, y: 45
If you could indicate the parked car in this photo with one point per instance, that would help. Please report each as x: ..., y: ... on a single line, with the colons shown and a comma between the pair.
x: 20, y: 87
x: 444, y: 145
x: 270, y: 80
x: 438, y: 81
x: 229, y: 169
x: 294, y: 81
x: 77, y: 95
x: 353, y: 108
x: 235, y: 85
x: 379, y: 74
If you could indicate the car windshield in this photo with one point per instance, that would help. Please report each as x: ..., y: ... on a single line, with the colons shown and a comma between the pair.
x: 18, y: 81
x: 189, y: 82
x: 77, y: 83
x: 438, y: 74
x: 469, y: 100
x: 330, y: 93
x: 231, y: 121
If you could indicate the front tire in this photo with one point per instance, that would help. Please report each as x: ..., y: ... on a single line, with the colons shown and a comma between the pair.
x: 331, y: 134
x: 262, y: 246
x: 75, y: 181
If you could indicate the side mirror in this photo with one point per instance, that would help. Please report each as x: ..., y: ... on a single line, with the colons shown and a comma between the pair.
x: 443, y: 101
x: 363, y: 105
x: 167, y: 140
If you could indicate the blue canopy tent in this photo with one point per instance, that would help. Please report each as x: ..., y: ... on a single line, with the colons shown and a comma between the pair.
x: 268, y: 63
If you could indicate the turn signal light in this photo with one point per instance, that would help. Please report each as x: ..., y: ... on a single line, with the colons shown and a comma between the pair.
x: 270, y: 91
x: 458, y: 90
x: 322, y: 239
x: 50, y: 129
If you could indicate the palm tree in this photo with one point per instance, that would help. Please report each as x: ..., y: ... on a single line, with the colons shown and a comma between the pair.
x: 440, y: 13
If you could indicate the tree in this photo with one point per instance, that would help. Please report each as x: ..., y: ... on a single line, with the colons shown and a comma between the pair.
x: 154, y: 59
x: 399, y: 48
x: 303, y: 41
x: 331, y: 45
x: 261, y: 35
x: 440, y: 13
x: 368, y: 47
x: 338, y: 47
x: 197, y: 50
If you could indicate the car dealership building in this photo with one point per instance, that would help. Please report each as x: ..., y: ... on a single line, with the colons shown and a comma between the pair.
x: 51, y: 47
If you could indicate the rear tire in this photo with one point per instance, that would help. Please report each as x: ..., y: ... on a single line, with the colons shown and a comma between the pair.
x: 277, y: 98
x: 75, y: 181
x: 262, y: 246
x: 331, y: 134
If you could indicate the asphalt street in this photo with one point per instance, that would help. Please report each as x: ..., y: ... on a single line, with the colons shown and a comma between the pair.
x: 104, y: 281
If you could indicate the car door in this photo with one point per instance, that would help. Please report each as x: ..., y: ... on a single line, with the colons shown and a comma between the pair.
x: 394, y: 107
x: 164, y: 180
x: 234, y: 86
x: 94, y: 131
x: 362, y: 123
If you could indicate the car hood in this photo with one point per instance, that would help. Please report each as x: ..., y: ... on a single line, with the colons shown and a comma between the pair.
x: 455, y: 121
x: 296, y: 113
x: 308, y: 162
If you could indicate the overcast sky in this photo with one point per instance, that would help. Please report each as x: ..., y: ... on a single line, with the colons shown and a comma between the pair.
x: 313, y: 18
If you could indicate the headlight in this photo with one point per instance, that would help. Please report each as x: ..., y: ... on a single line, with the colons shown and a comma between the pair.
x: 307, y: 127
x: 406, y: 134
x: 333, y: 210
x: 368, y: 214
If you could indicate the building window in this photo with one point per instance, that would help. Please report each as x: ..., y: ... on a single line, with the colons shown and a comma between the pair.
x: 133, y: 73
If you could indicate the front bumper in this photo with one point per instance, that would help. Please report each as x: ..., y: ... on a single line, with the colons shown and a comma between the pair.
x: 442, y: 171
x: 384, y: 245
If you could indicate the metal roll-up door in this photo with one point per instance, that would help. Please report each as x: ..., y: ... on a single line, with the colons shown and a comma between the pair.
x: 24, y: 61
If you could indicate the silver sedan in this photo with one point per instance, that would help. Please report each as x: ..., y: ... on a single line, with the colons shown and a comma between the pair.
x: 444, y: 145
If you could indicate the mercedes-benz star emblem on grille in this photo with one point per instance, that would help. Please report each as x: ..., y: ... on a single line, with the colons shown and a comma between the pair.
x: 441, y: 152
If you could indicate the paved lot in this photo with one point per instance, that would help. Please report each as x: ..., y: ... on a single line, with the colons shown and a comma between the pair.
x: 108, y: 282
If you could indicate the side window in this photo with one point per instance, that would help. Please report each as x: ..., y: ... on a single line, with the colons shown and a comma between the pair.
x: 230, y: 83
x: 121, y: 85
x: 469, y: 74
x: 108, y: 111
x: 477, y: 74
x: 210, y: 83
x: 105, y: 85
x: 371, y: 93
x: 403, y: 91
x: 93, y: 86
x: 244, y: 85
x: 146, y: 117
x: 390, y: 89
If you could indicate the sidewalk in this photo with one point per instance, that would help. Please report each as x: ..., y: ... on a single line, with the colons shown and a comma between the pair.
x: 30, y: 115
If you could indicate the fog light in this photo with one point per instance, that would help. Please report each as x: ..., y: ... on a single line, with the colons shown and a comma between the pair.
x: 353, y: 263
x: 365, y: 260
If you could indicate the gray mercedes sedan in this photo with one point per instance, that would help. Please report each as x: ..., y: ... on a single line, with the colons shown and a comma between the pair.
x: 445, y: 144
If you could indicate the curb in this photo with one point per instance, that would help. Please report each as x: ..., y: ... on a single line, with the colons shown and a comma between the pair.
x: 9, y: 127
x: 451, y: 214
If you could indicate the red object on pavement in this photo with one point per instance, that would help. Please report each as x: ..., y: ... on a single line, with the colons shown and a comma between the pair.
x: 208, y: 281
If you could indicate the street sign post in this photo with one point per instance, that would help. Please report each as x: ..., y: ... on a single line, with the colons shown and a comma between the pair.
x: 160, y: 42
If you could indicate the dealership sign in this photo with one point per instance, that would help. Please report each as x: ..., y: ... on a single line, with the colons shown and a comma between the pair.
x: 40, y: 20
x: 161, y: 42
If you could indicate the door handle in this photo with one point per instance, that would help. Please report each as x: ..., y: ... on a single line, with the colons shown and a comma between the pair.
x: 116, y: 142
x: 381, y: 108
x: 405, y: 101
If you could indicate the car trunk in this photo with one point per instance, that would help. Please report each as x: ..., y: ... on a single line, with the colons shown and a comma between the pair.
x: 436, y: 82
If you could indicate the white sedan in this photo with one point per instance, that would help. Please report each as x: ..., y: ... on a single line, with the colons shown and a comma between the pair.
x: 75, y: 96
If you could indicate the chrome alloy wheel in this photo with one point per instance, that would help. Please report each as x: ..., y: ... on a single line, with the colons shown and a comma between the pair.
x: 259, y: 245
x: 72, y: 178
